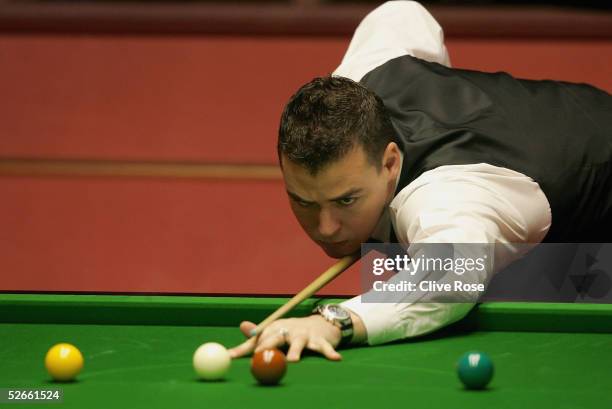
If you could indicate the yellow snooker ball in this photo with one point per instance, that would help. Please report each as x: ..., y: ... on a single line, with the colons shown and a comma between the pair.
x: 64, y: 362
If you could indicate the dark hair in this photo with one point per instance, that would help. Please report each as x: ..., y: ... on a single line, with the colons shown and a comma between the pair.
x: 328, y: 117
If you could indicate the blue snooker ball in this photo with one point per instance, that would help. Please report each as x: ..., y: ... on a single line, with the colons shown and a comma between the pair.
x: 475, y: 370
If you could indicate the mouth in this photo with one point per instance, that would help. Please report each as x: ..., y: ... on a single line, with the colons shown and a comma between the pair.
x: 336, y: 249
x: 332, y: 243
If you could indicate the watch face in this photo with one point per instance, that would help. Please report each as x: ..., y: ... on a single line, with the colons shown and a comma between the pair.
x: 338, y: 312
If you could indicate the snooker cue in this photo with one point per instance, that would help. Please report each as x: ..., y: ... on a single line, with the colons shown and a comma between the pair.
x: 307, y: 292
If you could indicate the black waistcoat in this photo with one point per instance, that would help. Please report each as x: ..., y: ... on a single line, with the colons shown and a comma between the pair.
x: 558, y: 133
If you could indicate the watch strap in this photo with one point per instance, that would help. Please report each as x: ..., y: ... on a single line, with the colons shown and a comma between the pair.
x: 345, y: 325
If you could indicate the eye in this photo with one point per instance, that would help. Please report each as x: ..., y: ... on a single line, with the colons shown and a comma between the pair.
x: 347, y: 201
x: 302, y: 203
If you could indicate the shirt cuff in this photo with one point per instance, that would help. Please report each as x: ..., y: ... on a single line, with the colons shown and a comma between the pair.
x: 386, y: 322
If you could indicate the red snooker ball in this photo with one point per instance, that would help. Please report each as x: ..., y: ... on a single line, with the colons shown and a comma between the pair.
x: 269, y: 366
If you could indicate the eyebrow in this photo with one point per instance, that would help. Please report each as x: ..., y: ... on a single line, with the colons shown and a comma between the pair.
x: 348, y: 193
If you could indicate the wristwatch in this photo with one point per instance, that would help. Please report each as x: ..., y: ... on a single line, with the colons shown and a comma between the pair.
x: 340, y: 317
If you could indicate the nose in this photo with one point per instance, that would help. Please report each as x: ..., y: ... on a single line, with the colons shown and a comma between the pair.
x: 329, y: 225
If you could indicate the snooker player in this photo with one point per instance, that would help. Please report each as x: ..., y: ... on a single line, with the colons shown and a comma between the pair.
x: 398, y: 146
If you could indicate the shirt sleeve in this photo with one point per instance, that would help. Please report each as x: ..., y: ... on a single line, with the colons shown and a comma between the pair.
x: 457, y: 204
x: 394, y: 29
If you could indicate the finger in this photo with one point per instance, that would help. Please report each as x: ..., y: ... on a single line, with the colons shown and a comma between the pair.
x: 276, y: 340
x: 243, y: 349
x: 325, y: 349
x: 295, y: 349
x: 246, y: 327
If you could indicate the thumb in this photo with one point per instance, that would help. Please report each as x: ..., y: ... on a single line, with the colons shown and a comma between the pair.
x: 246, y: 327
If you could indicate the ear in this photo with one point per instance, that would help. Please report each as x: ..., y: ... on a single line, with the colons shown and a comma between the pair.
x: 391, y: 159
x: 281, y: 158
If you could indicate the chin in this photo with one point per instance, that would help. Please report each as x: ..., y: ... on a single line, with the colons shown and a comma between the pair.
x: 334, y: 254
x: 340, y: 251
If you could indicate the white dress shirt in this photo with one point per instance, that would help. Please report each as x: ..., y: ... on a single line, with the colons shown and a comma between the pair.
x: 476, y: 203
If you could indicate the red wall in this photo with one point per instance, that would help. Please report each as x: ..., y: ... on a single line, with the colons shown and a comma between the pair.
x: 182, y: 98
x: 178, y: 97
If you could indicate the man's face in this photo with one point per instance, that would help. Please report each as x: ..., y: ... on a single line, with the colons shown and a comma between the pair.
x: 340, y: 206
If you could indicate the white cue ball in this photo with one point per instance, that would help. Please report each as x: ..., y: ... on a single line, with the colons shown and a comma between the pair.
x: 211, y: 361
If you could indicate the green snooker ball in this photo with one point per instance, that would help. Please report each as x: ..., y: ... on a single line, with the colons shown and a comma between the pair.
x: 475, y: 370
